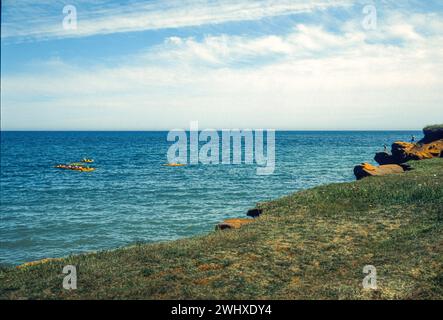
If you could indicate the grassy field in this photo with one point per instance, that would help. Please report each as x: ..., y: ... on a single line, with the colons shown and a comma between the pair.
x: 309, y: 245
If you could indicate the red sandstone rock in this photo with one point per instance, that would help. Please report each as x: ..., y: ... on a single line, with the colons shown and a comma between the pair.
x: 234, y: 223
x: 368, y: 170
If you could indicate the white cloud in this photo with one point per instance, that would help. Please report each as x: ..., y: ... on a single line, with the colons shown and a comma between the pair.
x: 43, y: 20
x: 310, y: 78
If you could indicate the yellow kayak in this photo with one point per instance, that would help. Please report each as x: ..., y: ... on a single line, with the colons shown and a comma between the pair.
x: 74, y: 167
x: 174, y: 164
x: 87, y: 160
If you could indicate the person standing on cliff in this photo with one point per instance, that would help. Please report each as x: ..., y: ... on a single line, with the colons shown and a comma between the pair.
x: 412, y: 139
x: 385, y: 148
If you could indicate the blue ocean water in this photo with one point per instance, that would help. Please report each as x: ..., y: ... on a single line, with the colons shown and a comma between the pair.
x: 48, y: 212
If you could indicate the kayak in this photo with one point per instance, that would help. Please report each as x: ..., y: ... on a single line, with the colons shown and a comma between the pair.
x: 74, y: 167
x: 174, y: 164
x: 88, y: 160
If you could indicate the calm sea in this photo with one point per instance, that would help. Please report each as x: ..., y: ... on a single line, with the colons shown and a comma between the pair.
x: 131, y: 197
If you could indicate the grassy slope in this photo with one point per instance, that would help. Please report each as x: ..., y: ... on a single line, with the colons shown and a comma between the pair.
x: 311, y: 244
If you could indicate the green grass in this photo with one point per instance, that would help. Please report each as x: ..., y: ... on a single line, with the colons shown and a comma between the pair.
x: 309, y: 245
x: 435, y: 127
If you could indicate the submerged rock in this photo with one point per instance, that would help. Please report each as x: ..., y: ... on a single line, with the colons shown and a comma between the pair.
x: 368, y: 170
x: 234, y: 223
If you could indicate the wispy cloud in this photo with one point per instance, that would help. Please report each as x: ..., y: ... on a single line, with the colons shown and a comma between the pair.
x: 309, y: 78
x: 38, y: 20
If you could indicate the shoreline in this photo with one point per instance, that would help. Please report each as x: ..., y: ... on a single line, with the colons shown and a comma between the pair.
x: 235, y: 221
x: 43, y: 238
x: 134, y: 244
x: 299, y: 233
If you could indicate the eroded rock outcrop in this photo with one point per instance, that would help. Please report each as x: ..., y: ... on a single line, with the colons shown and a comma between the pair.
x: 384, y: 158
x: 405, y: 151
x: 432, y: 133
x: 368, y: 170
x: 431, y: 146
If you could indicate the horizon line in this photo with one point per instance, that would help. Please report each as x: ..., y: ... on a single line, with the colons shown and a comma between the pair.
x: 217, y: 129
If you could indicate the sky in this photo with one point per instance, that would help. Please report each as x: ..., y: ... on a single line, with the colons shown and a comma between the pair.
x: 275, y: 64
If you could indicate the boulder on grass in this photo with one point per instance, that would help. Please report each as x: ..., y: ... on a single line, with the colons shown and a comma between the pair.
x: 384, y: 158
x: 254, y: 213
x: 368, y: 170
x: 234, y: 223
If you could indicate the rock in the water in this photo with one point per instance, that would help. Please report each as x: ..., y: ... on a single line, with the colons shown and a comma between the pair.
x: 234, y: 223
x: 367, y: 170
x: 254, y: 212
